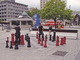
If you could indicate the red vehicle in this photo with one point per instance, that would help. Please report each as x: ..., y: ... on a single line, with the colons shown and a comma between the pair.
x: 47, y: 23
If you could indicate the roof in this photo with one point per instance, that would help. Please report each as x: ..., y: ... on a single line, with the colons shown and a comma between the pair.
x: 24, y: 13
x: 14, y: 3
x: 20, y: 19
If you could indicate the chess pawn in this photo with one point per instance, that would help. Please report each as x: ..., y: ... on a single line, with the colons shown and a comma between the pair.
x: 7, y: 41
x: 50, y: 37
x: 54, y: 36
x: 11, y: 45
x: 27, y: 38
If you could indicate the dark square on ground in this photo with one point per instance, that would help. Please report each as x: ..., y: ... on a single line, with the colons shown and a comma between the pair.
x: 60, y: 53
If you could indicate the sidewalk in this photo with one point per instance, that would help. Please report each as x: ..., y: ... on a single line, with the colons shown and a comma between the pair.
x: 37, y: 52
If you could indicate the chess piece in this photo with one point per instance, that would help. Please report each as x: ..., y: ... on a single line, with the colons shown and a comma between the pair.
x: 11, y: 45
x: 54, y: 37
x: 16, y: 45
x: 50, y: 37
x: 7, y: 41
x: 27, y: 38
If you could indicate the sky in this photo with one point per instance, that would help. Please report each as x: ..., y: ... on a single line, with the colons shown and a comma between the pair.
x: 72, y: 4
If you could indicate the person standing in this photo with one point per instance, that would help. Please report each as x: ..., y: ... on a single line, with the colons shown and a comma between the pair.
x: 17, y: 34
x: 30, y: 29
x: 59, y: 26
x: 50, y: 30
x: 40, y: 29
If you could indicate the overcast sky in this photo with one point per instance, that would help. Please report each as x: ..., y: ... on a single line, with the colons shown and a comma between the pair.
x: 75, y: 4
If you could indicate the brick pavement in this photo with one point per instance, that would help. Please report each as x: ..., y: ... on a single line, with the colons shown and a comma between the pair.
x: 37, y: 52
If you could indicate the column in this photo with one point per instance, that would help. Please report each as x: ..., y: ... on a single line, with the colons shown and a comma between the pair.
x: 20, y: 24
x: 26, y: 22
x: 10, y: 23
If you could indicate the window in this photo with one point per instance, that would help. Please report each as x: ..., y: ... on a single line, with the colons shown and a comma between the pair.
x: 23, y: 23
x: 15, y: 22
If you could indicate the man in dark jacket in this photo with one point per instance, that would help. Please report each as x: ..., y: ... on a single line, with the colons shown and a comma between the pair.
x: 40, y: 29
x: 17, y: 34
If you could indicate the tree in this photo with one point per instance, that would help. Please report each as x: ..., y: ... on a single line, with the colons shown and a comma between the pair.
x: 67, y: 14
x: 29, y: 13
x: 55, y: 8
x: 33, y: 12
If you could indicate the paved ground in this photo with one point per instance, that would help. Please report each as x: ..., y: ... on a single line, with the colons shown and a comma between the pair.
x: 37, y: 52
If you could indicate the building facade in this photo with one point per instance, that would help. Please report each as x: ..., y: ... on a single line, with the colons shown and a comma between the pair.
x: 43, y: 2
x: 10, y: 9
x: 7, y: 0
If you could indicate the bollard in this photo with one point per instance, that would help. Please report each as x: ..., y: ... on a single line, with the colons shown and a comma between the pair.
x: 7, y: 41
x: 64, y: 40
x: 12, y: 39
x: 45, y: 44
x: 16, y: 45
x: 57, y: 41
x: 11, y: 45
x: 37, y: 35
x: 22, y: 40
x: 61, y: 43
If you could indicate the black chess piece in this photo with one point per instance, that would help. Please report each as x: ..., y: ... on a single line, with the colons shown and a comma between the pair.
x: 27, y: 38
x: 50, y: 36
x: 11, y: 45
x: 54, y: 37
x: 16, y: 45
x: 7, y: 46
x: 29, y: 44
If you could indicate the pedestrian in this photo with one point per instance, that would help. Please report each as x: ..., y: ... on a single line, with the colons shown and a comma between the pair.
x: 30, y: 29
x: 50, y: 29
x: 59, y: 26
x: 40, y: 29
x: 17, y: 34
x: 8, y: 27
